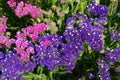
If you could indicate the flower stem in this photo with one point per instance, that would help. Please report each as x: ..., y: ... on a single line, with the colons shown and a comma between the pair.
x: 51, y: 75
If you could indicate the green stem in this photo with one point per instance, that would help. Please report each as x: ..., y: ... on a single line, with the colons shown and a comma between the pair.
x: 51, y: 75
x: 13, y: 28
x: 71, y: 3
x: 41, y: 69
x: 76, y: 8
x: 109, y: 24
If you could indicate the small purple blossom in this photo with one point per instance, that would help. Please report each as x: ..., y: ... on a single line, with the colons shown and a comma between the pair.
x: 115, y: 35
x: 91, y: 76
x: 112, y: 55
x: 97, y: 9
x: 103, y: 68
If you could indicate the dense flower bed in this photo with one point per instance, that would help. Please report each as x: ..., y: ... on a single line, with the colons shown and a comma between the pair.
x: 59, y: 40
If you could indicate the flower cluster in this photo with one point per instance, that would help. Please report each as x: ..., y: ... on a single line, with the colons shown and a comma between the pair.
x: 3, y: 25
x: 112, y: 55
x: 6, y: 41
x: 47, y: 53
x: 23, y: 9
x: 52, y: 52
x: 12, y: 3
x: 24, y: 48
x: 32, y: 31
x: 96, y: 9
x: 30, y: 48
x: 13, y: 67
x: 115, y: 35
x: 103, y: 70
x: 91, y: 29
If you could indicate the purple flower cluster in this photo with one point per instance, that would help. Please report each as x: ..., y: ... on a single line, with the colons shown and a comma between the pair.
x: 13, y: 67
x: 51, y: 52
x: 112, y: 55
x: 90, y: 29
x: 96, y: 9
x: 115, y: 35
x: 103, y: 68
x: 47, y: 53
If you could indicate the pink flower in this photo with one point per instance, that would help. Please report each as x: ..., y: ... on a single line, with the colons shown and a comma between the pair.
x: 41, y: 27
x: 25, y: 9
x: 21, y: 35
x: 19, y: 8
x: 23, y: 48
x: 3, y: 25
x: 35, y: 12
x: 24, y: 45
x: 12, y: 3
x: 30, y: 50
x: 5, y: 40
x: 18, y: 42
x: 46, y: 43
x: 24, y: 55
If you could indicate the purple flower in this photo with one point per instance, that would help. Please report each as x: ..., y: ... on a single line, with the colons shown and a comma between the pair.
x: 70, y: 22
x: 112, y: 55
x: 93, y: 36
x: 1, y: 55
x: 91, y: 76
x: 13, y: 67
x: 69, y: 55
x: 115, y: 35
x: 80, y: 28
x: 47, y: 53
x: 97, y: 9
x: 103, y: 68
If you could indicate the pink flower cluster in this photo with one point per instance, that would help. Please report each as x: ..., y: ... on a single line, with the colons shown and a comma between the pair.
x: 6, y: 41
x: 23, y: 9
x: 23, y: 48
x: 12, y: 3
x: 3, y: 25
x: 32, y: 31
